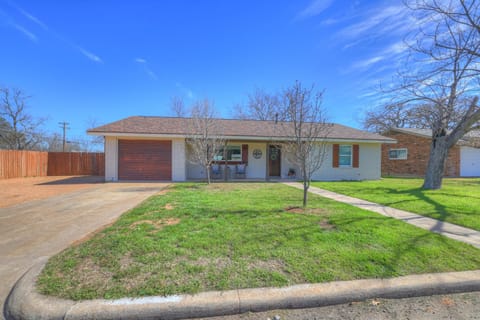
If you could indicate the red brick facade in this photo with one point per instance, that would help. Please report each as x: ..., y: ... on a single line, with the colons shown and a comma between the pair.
x: 418, y: 151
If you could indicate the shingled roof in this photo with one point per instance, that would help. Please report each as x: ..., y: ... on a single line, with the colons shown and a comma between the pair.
x: 231, y: 128
x: 471, y: 138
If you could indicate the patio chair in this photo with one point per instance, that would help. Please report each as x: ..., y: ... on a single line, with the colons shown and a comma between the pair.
x: 216, y: 172
x: 241, y: 170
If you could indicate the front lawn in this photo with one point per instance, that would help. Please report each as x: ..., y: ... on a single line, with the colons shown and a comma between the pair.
x: 243, y: 235
x: 457, y: 202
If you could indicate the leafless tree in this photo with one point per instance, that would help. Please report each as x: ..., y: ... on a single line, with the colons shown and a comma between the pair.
x: 395, y: 115
x: 206, y: 135
x: 442, y: 74
x: 177, y: 106
x: 23, y: 130
x: 261, y: 105
x: 304, y: 122
x: 92, y: 143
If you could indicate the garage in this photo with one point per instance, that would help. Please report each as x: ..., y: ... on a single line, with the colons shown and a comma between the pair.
x: 469, y: 162
x: 144, y: 160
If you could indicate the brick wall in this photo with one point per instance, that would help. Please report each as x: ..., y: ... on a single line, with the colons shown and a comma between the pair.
x: 418, y: 153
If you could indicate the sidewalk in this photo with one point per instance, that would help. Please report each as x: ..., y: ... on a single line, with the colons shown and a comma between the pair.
x: 446, y: 229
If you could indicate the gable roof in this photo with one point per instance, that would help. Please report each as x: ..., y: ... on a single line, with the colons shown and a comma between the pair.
x: 471, y: 138
x: 229, y: 128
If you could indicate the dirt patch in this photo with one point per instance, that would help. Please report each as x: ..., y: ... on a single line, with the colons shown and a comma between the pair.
x: 294, y: 210
x: 20, y: 190
x: 270, y: 265
x: 315, y: 211
x: 168, y: 206
x: 163, y: 192
x: 325, y: 225
x: 157, y: 224
x: 448, y: 302
x: 91, y: 274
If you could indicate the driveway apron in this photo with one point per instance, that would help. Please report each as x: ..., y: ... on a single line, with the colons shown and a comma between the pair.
x: 41, y: 228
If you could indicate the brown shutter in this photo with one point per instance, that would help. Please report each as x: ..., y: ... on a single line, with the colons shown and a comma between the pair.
x: 245, y: 153
x: 336, y: 151
x: 356, y: 149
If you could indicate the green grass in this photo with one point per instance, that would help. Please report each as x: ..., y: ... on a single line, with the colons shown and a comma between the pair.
x: 458, y: 201
x: 227, y: 236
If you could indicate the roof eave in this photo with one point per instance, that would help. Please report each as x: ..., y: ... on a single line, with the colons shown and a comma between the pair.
x: 248, y: 138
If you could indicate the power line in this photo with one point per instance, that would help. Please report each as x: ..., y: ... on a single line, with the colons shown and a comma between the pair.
x: 64, y: 125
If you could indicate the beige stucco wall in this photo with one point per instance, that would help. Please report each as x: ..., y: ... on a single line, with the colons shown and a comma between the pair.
x: 369, y: 165
x: 182, y: 169
x: 256, y: 168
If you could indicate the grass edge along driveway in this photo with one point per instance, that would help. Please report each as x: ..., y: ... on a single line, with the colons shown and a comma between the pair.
x: 244, y: 235
x: 458, y: 201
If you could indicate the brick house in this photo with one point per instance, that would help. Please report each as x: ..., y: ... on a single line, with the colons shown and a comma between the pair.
x: 409, y: 156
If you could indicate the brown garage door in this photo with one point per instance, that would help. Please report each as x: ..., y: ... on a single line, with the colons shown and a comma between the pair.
x: 144, y: 160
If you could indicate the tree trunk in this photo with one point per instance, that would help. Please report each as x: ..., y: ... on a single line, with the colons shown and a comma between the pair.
x: 436, y: 163
x: 306, y: 185
x: 208, y: 173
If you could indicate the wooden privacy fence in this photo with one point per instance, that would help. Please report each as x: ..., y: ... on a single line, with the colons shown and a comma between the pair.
x: 14, y: 164
x: 76, y: 164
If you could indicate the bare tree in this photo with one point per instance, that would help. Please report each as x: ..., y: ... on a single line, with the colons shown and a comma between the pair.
x: 261, y: 106
x: 23, y: 130
x: 303, y: 120
x: 442, y: 75
x: 205, y: 137
x: 177, y: 106
x: 395, y: 115
x: 92, y: 143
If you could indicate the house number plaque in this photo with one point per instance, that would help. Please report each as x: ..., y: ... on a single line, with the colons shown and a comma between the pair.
x: 257, y: 153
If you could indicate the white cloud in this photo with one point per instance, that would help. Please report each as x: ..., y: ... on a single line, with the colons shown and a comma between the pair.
x: 25, y: 32
x: 315, y: 8
x: 89, y: 55
x: 32, y: 18
x: 145, y: 68
x: 363, y: 64
x: 387, y: 20
x: 86, y: 53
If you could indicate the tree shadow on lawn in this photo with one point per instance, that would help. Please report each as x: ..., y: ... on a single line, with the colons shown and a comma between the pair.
x: 407, y: 249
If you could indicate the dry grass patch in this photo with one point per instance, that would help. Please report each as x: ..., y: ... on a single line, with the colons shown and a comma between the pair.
x: 157, y: 224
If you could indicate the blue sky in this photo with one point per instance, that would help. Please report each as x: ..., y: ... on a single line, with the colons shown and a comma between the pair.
x: 105, y: 60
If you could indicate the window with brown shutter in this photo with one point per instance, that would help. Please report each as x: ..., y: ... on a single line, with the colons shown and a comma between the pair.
x: 336, y: 150
x: 356, y: 156
x: 245, y: 153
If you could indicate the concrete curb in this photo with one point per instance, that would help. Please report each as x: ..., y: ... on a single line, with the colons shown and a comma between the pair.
x: 25, y: 303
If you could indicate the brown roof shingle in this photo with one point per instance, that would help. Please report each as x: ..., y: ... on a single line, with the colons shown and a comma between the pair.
x: 141, y: 125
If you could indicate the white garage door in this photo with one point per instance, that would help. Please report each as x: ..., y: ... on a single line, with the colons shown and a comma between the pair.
x: 469, y: 162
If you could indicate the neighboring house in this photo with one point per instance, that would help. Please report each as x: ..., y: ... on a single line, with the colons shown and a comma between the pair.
x: 155, y: 148
x: 409, y: 157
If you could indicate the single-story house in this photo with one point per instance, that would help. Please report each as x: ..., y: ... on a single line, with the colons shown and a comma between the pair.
x: 156, y: 148
x: 409, y: 157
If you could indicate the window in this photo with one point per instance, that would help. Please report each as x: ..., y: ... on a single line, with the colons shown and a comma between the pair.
x: 398, y: 154
x: 234, y: 153
x: 345, y: 156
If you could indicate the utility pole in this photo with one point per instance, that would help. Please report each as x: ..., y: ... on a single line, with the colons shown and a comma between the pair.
x: 64, y: 125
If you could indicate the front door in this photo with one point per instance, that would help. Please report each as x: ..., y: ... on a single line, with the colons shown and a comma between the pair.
x: 274, y: 156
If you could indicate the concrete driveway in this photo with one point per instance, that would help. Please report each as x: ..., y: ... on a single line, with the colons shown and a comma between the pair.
x: 44, y: 227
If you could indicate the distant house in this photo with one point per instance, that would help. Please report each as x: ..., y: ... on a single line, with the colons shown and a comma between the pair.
x: 155, y: 148
x: 409, y: 156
